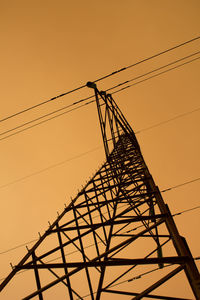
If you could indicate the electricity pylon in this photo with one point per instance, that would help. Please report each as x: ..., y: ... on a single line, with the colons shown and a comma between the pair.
x: 116, y: 230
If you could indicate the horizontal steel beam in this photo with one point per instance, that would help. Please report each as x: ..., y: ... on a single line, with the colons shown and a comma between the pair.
x: 111, y: 222
x: 113, y: 262
x: 147, y: 296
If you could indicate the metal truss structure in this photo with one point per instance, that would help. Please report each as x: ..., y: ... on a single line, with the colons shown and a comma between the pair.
x: 116, y: 230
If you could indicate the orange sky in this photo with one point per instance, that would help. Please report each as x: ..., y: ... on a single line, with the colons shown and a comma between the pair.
x: 49, y: 47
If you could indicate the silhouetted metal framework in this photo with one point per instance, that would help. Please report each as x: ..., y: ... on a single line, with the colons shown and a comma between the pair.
x: 117, y: 228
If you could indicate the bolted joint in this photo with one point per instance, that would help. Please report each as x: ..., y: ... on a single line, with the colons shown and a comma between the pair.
x: 102, y: 93
x: 91, y: 85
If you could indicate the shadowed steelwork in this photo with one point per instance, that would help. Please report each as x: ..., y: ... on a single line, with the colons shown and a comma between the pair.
x: 116, y: 230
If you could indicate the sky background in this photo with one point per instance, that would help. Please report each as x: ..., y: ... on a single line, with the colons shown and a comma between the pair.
x: 50, y: 47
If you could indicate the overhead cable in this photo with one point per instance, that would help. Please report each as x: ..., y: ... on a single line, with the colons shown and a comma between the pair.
x: 129, y: 280
x: 157, y: 69
x: 49, y: 168
x: 82, y: 100
x: 44, y: 121
x: 167, y: 121
x: 18, y: 246
x: 180, y: 185
x: 101, y: 78
x: 179, y: 213
x: 158, y: 74
x: 47, y: 115
x: 186, y: 210
x: 139, y: 276
x: 92, y: 150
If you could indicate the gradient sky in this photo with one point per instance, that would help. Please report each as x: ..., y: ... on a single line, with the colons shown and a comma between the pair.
x: 50, y: 47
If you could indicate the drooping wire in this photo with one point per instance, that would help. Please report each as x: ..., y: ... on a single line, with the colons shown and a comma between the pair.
x: 50, y: 167
x: 128, y: 280
x: 158, y: 74
x: 40, y: 104
x: 167, y: 121
x: 80, y: 106
x: 186, y: 210
x: 168, y: 189
x: 179, y: 213
x: 49, y: 114
x: 174, y: 215
x: 136, y: 132
x: 92, y: 150
x: 180, y: 185
x: 100, y: 79
x: 18, y: 246
x: 44, y: 121
x: 157, y: 69
x: 84, y: 99
x: 139, y: 276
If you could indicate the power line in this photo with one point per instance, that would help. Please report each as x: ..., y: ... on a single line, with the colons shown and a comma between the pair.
x: 155, y: 70
x: 99, y: 147
x: 49, y: 114
x: 79, y: 101
x: 49, y: 167
x: 44, y: 121
x: 158, y: 74
x: 139, y: 276
x: 92, y: 150
x: 128, y: 280
x: 101, y: 78
x: 82, y: 100
x: 40, y: 104
x: 186, y: 210
x: 179, y: 213
x: 168, y: 120
x: 18, y: 246
x: 180, y: 185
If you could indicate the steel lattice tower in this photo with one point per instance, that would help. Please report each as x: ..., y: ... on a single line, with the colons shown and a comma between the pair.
x: 117, y: 228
